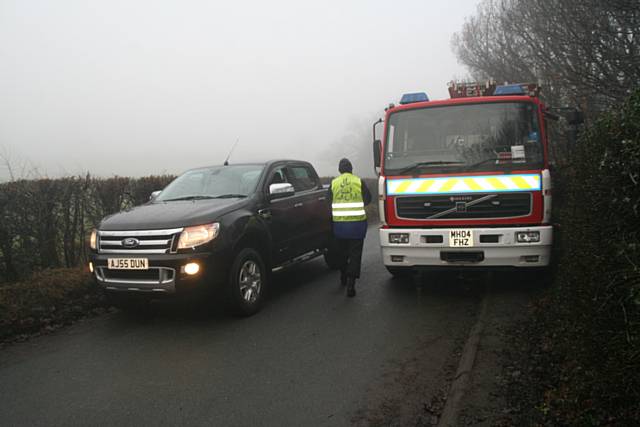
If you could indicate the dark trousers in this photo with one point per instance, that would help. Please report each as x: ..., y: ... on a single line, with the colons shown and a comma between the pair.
x: 350, y: 256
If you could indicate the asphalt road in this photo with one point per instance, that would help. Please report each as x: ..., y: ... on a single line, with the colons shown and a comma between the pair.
x: 310, y: 357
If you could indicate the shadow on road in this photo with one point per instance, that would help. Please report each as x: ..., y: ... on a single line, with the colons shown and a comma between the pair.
x: 205, y: 307
x: 468, y: 284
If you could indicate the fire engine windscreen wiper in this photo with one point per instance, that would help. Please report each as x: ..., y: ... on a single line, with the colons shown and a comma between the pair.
x: 482, y: 162
x: 432, y: 163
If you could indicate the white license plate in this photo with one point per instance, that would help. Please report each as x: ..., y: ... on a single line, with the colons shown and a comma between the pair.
x: 128, y: 263
x: 460, y: 238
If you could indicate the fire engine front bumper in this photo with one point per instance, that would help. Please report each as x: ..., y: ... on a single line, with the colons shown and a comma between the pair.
x: 491, y: 247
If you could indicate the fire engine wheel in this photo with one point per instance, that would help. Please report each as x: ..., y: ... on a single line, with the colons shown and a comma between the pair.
x: 248, y: 282
x: 399, y: 272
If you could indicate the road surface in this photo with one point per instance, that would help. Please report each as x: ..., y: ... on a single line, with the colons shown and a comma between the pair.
x: 310, y: 357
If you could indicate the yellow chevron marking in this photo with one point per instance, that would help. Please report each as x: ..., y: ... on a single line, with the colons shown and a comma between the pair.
x: 472, y: 184
x: 424, y: 187
x: 520, y: 182
x: 403, y: 187
x: 448, y: 185
x: 496, y: 184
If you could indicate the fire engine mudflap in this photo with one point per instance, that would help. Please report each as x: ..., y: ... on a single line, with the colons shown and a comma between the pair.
x: 465, y: 182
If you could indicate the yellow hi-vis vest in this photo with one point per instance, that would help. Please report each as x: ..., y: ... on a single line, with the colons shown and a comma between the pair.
x: 347, y: 204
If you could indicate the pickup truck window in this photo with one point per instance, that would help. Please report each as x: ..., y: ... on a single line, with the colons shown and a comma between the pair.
x: 302, y: 178
x: 213, y: 182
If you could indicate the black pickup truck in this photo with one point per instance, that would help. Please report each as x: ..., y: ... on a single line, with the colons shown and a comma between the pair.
x: 222, y: 228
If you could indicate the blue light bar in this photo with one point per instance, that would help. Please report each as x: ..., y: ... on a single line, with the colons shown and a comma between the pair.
x: 515, y: 89
x: 410, y: 98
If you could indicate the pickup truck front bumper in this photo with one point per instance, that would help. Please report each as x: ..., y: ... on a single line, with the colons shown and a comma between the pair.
x: 492, y: 247
x: 165, y: 274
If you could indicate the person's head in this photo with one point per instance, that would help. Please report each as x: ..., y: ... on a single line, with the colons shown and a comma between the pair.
x: 345, y: 166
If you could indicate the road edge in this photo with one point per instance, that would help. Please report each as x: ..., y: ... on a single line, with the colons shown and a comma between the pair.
x: 461, y: 381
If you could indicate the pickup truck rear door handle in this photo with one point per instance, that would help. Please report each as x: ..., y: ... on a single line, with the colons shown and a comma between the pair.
x: 297, y: 205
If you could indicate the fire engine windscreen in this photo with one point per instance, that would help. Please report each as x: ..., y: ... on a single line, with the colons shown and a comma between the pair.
x: 470, y: 137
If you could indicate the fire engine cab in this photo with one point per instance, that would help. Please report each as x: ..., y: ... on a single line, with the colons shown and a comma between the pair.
x: 465, y: 182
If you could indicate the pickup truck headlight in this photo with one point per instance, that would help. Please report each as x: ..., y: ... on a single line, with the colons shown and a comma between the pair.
x: 198, y: 235
x: 93, y: 240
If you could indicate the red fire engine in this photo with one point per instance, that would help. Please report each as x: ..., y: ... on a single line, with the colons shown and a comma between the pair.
x: 465, y: 182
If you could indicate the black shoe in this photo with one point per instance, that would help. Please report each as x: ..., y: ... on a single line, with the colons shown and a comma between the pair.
x: 351, y: 287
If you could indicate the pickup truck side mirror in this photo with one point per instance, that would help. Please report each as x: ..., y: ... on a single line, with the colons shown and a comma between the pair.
x: 154, y: 195
x: 280, y: 190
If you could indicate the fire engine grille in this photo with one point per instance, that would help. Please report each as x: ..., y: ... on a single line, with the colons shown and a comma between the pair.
x: 138, y: 241
x: 474, y: 206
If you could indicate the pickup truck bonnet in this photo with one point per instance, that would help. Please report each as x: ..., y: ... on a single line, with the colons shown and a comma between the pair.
x: 170, y: 214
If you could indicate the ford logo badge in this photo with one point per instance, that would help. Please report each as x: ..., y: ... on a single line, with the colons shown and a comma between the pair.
x: 130, y: 242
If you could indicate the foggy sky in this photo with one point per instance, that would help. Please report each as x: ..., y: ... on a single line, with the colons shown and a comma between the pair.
x: 148, y: 87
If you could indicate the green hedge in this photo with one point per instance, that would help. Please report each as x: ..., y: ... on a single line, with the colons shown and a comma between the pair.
x: 47, y: 301
x: 587, y: 327
x: 45, y: 223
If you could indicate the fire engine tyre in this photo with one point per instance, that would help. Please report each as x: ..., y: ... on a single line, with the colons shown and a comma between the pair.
x: 399, y: 272
x: 248, y: 282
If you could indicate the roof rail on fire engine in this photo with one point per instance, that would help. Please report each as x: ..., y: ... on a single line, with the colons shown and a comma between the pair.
x: 471, y: 89
x: 489, y: 88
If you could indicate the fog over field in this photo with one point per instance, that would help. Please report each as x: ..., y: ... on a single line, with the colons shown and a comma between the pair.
x: 151, y: 87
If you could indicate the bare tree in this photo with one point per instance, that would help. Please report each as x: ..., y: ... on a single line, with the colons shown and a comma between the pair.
x: 584, y: 52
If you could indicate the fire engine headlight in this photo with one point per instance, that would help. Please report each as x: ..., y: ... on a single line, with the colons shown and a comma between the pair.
x: 528, y: 236
x: 93, y: 240
x: 198, y: 235
x: 398, y: 237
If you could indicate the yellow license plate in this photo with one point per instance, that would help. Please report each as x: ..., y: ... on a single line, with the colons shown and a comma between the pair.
x: 460, y: 238
x: 128, y: 263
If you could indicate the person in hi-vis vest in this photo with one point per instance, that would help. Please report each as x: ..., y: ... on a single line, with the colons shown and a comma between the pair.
x: 349, y: 196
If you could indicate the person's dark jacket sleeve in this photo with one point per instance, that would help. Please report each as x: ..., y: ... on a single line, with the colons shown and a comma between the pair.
x: 366, y: 194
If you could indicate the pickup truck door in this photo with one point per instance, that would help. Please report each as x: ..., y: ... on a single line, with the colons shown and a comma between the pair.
x: 280, y: 215
x: 313, y: 216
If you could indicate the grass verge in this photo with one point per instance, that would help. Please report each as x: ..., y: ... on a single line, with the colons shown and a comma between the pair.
x: 47, y: 301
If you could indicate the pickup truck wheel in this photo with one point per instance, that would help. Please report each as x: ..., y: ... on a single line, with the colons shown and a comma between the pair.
x: 399, y: 272
x: 331, y: 257
x: 248, y: 282
x: 331, y: 260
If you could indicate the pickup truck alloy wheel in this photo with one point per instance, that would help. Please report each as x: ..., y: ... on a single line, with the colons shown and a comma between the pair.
x: 250, y: 281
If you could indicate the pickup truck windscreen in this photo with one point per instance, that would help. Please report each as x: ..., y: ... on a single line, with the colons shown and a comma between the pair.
x: 456, y: 138
x: 214, y: 182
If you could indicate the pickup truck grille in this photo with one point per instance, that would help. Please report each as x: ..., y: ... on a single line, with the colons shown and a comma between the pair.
x: 138, y: 241
x: 467, y: 206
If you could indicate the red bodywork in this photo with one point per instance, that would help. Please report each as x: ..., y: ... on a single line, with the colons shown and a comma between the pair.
x: 535, y: 218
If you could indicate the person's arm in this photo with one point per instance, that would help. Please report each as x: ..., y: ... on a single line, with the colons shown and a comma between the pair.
x: 366, y: 194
